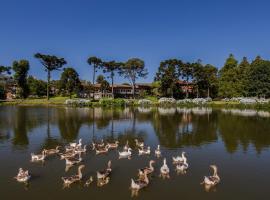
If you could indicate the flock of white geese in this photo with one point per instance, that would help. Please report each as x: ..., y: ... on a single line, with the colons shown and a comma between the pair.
x: 72, y: 156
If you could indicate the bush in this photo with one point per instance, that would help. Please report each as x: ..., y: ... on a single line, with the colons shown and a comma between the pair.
x: 144, y: 102
x: 112, y: 102
x: 166, y: 101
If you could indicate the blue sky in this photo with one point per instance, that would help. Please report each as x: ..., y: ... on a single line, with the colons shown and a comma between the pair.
x: 152, y: 30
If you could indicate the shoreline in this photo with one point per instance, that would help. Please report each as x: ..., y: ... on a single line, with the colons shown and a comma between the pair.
x: 60, y: 101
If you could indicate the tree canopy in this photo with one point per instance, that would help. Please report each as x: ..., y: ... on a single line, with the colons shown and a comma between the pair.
x: 69, y: 81
x: 50, y: 63
x: 21, y: 69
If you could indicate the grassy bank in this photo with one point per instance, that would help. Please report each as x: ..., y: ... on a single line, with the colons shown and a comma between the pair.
x: 60, y: 101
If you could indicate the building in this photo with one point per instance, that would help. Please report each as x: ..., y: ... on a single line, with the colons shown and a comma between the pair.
x: 186, y: 86
x: 120, y: 90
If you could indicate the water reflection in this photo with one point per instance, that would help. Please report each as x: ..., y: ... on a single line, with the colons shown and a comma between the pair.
x: 171, y: 127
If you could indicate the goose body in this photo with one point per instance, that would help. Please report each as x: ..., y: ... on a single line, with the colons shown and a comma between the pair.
x: 52, y: 151
x: 98, y: 145
x: 89, y: 181
x: 38, y: 157
x: 72, y: 179
x: 23, y: 176
x: 102, y: 150
x: 106, y: 172
x: 147, y: 170
x: 164, y: 170
x: 80, y: 150
x: 126, y: 146
x: 140, y: 183
x: 179, y: 159
x: 212, y: 180
x: 157, y: 151
x: 73, y: 161
x: 74, y: 144
x: 125, y: 153
x: 113, y: 145
x: 182, y: 167
x: 67, y: 155
x: 145, y: 151
x: 139, y: 144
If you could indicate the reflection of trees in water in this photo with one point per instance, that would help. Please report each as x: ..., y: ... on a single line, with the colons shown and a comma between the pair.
x: 24, y: 120
x: 69, y: 122
x: 237, y: 130
x: 184, y: 129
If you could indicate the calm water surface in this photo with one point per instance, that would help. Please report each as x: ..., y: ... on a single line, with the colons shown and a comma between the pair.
x: 238, y: 142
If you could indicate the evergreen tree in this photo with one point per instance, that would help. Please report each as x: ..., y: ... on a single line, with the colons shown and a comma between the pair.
x: 21, y: 69
x: 70, y: 81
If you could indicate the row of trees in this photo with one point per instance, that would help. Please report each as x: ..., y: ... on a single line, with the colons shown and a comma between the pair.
x: 69, y: 82
x: 234, y: 79
x: 204, y: 78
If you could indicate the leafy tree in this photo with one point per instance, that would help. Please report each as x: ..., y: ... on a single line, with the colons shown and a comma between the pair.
x: 50, y: 63
x: 133, y: 69
x: 21, y: 69
x: 70, y: 81
x: 167, y: 75
x: 111, y: 67
x: 206, y: 79
x: 5, y: 70
x: 229, y: 84
x: 243, y: 70
x: 104, y: 84
x: 186, y: 72
x: 95, y: 63
x: 259, y: 78
x: 36, y: 87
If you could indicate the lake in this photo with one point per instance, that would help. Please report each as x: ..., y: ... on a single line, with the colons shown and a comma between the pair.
x: 237, y: 141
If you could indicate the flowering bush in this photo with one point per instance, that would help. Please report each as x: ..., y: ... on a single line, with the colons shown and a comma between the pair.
x: 78, y: 102
x: 166, y: 101
x: 144, y: 102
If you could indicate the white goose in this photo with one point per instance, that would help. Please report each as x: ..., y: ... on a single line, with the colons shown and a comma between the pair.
x: 72, y: 179
x: 212, y: 180
x: 179, y: 159
x: 139, y: 184
x: 23, y: 176
x: 73, y: 161
x: 145, y: 151
x: 74, y: 144
x: 182, y: 167
x: 157, y: 151
x: 139, y: 144
x: 148, y: 170
x: 164, y: 170
x: 52, y: 151
x: 126, y: 146
x: 113, y: 145
x: 38, y: 157
x: 102, y: 150
x: 80, y: 150
x: 106, y: 172
x: 125, y: 154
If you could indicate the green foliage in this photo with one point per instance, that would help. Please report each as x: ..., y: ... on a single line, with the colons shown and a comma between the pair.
x: 50, y: 63
x: 21, y: 69
x: 2, y: 92
x: 104, y: 84
x: 206, y: 79
x: 229, y: 84
x: 167, y: 76
x: 112, y: 102
x: 95, y: 63
x: 36, y: 87
x: 4, y: 70
x: 69, y: 81
x: 259, y: 78
x: 133, y: 69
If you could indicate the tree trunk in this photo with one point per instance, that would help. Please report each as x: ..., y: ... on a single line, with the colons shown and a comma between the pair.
x: 208, y: 92
x: 94, y: 74
x: 48, y: 84
x: 187, y: 88
x: 133, y: 90
x: 112, y: 88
